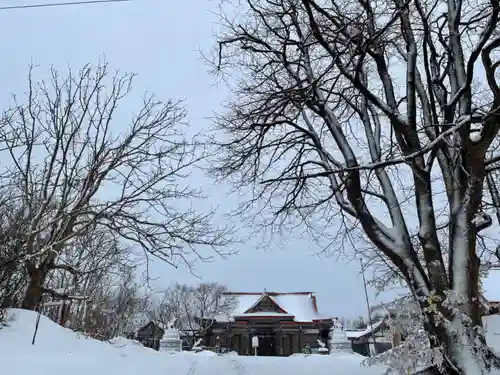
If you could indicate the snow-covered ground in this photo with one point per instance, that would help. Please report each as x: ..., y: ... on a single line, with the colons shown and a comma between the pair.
x: 60, y: 351
x: 492, y: 327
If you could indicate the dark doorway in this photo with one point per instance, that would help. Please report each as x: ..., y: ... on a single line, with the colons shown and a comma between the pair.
x: 267, y: 345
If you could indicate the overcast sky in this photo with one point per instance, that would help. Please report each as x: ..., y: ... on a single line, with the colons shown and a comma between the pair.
x: 160, y: 40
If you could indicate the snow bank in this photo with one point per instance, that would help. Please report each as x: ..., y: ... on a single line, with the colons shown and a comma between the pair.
x: 59, y: 351
x: 123, y: 341
x: 130, y: 348
x: 492, y: 327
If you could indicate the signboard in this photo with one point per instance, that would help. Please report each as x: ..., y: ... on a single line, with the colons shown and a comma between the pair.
x: 255, y: 342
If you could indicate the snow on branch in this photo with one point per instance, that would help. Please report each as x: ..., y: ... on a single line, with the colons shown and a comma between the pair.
x: 361, y: 122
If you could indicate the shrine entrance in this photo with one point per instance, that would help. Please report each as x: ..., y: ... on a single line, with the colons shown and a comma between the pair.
x: 267, y: 345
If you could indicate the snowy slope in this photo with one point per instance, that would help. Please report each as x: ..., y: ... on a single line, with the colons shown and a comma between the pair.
x: 61, y: 351
x: 492, y: 327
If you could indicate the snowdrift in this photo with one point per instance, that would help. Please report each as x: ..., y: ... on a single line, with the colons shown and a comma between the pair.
x: 60, y: 351
x: 492, y: 327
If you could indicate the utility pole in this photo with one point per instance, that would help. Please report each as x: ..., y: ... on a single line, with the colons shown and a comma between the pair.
x: 368, y: 306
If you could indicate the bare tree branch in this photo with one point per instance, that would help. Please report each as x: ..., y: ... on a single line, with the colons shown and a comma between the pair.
x: 356, y: 118
x: 72, y: 165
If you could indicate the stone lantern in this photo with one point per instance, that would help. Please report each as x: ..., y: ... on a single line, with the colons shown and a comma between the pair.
x: 171, y: 341
x: 339, y: 342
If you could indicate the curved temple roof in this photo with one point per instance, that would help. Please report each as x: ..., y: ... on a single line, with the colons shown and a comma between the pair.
x: 301, y: 306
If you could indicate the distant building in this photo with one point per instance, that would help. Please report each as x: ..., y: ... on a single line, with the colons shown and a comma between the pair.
x: 376, y: 338
x: 150, y: 334
x: 387, y: 328
x: 390, y: 320
x: 284, y: 323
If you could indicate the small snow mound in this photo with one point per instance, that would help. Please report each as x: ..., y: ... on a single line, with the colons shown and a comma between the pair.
x: 194, y: 354
x: 121, y: 341
x: 492, y: 327
x: 130, y: 348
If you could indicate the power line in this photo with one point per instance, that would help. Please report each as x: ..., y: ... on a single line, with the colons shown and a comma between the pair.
x: 46, y: 5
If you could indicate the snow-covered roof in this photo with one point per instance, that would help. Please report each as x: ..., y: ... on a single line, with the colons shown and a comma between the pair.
x: 138, y: 326
x: 363, y: 332
x: 491, y: 286
x: 266, y: 313
x: 300, y: 305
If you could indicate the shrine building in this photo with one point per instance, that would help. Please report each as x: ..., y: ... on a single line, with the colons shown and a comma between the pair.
x: 285, y: 323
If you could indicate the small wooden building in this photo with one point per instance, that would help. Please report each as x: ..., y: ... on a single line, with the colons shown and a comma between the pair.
x: 375, y: 339
x: 150, y: 334
x: 387, y: 329
x: 285, y: 323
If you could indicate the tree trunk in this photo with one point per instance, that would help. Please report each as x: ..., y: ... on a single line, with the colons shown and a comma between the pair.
x: 463, y: 345
x: 33, y: 295
x: 465, y: 350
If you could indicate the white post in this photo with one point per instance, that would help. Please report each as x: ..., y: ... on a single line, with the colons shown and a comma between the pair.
x: 255, y: 344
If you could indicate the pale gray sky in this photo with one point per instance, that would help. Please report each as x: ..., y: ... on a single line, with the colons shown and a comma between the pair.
x: 159, y: 40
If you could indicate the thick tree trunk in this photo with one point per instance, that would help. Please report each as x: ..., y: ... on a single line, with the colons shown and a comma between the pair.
x: 33, y: 294
x: 463, y: 345
x: 465, y: 349
x: 37, y: 274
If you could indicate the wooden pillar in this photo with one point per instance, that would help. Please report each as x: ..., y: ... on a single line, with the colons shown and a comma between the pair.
x: 300, y: 340
x: 281, y: 340
x: 249, y: 345
x: 229, y: 335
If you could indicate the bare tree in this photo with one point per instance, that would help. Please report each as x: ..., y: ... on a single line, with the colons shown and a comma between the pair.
x: 73, y: 162
x: 380, y: 116
x: 359, y: 323
x: 13, y: 274
x: 106, y: 282
x: 119, y: 307
x: 194, y: 308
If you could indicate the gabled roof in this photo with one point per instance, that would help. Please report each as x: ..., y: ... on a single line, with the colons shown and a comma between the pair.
x: 158, y: 325
x: 356, y: 334
x: 301, y: 306
x: 263, y: 299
